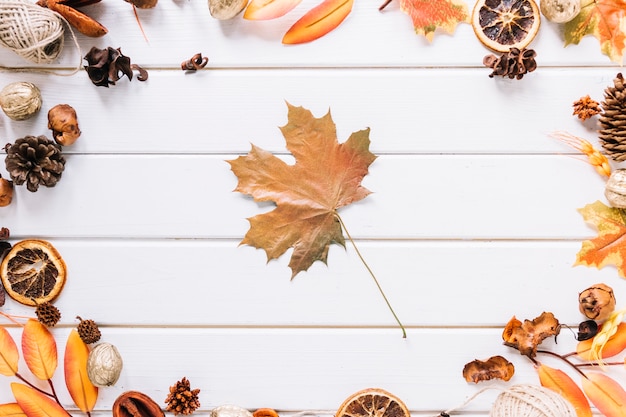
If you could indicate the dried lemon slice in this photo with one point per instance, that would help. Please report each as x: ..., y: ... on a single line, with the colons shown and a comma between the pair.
x: 33, y: 272
x: 373, y: 402
x: 505, y: 24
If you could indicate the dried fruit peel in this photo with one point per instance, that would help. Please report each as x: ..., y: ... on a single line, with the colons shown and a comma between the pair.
x: 318, y: 21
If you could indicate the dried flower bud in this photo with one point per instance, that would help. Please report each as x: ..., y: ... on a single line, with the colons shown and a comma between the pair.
x: 63, y: 122
x: 6, y: 192
x: 20, y: 100
x: 597, y: 302
x: 104, y: 365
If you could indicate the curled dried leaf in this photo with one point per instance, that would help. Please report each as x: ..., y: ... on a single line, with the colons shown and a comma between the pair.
x: 597, y: 302
x: 526, y: 336
x: 496, y: 367
x: 107, y: 66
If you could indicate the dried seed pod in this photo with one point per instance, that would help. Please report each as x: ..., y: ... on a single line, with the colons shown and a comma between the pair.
x: 6, y: 192
x: 20, y: 100
x: 597, y: 302
x: 226, y: 9
x: 135, y: 403
x: 104, y: 365
x: 63, y: 122
x: 615, y: 188
x: 265, y: 412
x: 230, y: 411
x: 560, y: 11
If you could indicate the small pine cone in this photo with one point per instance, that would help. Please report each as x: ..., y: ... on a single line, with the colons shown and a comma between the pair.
x: 34, y: 161
x: 182, y: 399
x: 88, y: 331
x: 613, y: 120
x: 586, y: 107
x: 47, y: 314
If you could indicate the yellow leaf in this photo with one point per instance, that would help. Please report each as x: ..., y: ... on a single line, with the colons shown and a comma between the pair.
x: 9, y: 354
x: 36, y: 404
x: 11, y: 410
x: 606, y: 394
x: 39, y: 349
x: 83, y: 392
x: 560, y: 382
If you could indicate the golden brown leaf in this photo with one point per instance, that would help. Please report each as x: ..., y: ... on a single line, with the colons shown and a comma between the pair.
x: 496, y: 367
x: 34, y: 403
x: 307, y: 197
x: 39, y: 349
x: 560, y: 382
x: 11, y: 410
x: 83, y: 392
x: 9, y: 355
x: 606, y: 394
x: 526, y: 336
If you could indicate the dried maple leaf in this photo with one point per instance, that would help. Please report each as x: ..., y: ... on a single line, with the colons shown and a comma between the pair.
x: 326, y: 176
x: 496, y: 367
x: 428, y: 15
x: 609, y: 247
x: 604, y: 19
x: 526, y: 336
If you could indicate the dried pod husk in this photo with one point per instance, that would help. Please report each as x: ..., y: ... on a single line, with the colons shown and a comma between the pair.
x: 229, y: 410
x: 63, y: 122
x: 265, y: 412
x: 104, y: 365
x: 615, y: 189
x: 226, y: 9
x: 135, y: 403
x: 560, y: 11
x: 20, y: 100
x: 597, y: 302
x: 6, y: 192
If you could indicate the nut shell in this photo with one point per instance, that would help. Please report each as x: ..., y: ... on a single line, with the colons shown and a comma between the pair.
x: 230, y: 411
x: 20, y: 100
x: 226, y: 9
x: 615, y: 189
x: 6, y: 192
x: 104, y: 365
x: 135, y: 403
x: 560, y: 11
x: 597, y: 302
x: 63, y: 122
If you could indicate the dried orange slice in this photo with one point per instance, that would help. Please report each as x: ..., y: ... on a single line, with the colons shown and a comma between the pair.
x: 505, y: 24
x: 33, y: 272
x: 373, y: 402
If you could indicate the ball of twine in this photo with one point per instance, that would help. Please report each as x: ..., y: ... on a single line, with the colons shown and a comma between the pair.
x: 531, y: 401
x: 33, y: 32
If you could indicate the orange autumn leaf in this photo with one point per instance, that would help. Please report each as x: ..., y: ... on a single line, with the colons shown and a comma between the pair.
x: 9, y: 354
x: 604, y: 19
x: 609, y: 247
x: 318, y: 21
x: 268, y: 9
x: 83, y: 392
x: 39, y: 349
x: 36, y: 404
x: 560, y: 382
x: 306, y: 196
x: 614, y: 346
x: 606, y: 394
x: 11, y: 410
x: 428, y: 15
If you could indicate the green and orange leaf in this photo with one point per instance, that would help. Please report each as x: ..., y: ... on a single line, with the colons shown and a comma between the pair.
x: 83, y: 392
x: 318, y: 21
x: 606, y: 394
x: 11, y: 410
x: 604, y: 19
x: 609, y: 247
x: 560, y: 382
x: 269, y: 9
x: 39, y: 349
x: 9, y: 355
x: 429, y: 15
x: 35, y: 404
x: 614, y: 346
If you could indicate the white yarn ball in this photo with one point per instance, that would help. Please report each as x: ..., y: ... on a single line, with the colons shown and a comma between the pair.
x: 531, y: 401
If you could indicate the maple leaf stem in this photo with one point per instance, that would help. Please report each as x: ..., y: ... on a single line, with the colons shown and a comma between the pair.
x: 380, y: 289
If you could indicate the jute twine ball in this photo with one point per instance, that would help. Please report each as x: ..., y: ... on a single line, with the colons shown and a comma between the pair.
x: 33, y: 32
x: 531, y: 401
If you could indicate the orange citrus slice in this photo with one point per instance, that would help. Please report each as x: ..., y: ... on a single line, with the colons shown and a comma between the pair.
x: 373, y: 402
x: 505, y: 24
x: 33, y: 272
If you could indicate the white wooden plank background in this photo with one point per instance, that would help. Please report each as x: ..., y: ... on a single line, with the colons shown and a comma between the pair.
x: 473, y: 217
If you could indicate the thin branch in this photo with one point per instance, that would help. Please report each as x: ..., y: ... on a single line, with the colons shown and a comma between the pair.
x: 36, y: 388
x: 570, y: 363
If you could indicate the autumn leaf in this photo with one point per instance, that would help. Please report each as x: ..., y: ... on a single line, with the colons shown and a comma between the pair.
x: 604, y: 19
x: 614, y: 346
x: 9, y: 354
x: 11, y: 410
x: 83, y: 392
x: 326, y: 176
x: 606, y: 394
x: 560, y: 382
x: 39, y: 349
x: 318, y: 21
x: 428, y: 15
x: 609, y: 247
x: 268, y: 9
x: 36, y: 404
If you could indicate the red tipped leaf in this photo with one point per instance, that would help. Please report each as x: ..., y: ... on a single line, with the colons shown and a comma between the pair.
x: 606, y: 394
x: 36, y: 404
x: 83, y: 392
x: 318, y: 21
x: 11, y: 410
x: 39, y: 349
x: 269, y: 9
x: 560, y: 382
x: 9, y: 354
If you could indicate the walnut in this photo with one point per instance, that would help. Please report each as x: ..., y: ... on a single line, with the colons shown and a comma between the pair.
x: 597, y: 302
x: 63, y: 121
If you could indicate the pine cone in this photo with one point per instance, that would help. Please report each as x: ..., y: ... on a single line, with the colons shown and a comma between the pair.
x: 47, y: 314
x: 181, y: 399
x: 613, y: 120
x: 512, y: 64
x: 586, y: 107
x: 34, y: 161
x: 88, y: 331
